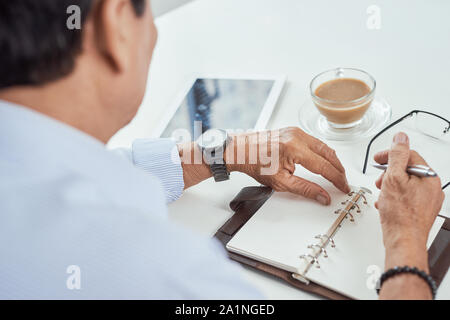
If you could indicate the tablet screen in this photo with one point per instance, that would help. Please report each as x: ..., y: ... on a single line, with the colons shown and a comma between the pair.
x: 220, y: 103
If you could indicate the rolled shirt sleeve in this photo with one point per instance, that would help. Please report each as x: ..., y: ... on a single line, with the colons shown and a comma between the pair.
x: 160, y: 158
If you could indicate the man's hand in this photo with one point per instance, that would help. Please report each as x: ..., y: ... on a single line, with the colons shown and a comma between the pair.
x: 408, y: 206
x: 270, y: 158
x: 278, y: 151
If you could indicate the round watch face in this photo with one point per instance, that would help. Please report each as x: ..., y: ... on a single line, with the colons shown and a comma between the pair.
x: 212, y: 139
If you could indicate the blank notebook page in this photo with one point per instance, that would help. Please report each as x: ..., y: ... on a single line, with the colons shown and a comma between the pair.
x: 286, y: 224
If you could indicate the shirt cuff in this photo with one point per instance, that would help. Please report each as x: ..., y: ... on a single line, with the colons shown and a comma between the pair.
x: 160, y: 157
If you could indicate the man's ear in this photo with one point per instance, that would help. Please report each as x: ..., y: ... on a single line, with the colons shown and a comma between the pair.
x: 114, y: 23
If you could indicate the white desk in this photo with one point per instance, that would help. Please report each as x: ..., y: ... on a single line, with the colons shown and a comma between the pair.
x: 409, y: 57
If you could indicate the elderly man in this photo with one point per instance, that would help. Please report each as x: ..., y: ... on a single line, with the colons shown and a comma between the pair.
x: 68, y: 203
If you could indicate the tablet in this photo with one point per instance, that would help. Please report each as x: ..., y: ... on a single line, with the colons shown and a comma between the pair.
x: 230, y: 103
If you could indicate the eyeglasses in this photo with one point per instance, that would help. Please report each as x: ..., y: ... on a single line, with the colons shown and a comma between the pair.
x: 428, y: 123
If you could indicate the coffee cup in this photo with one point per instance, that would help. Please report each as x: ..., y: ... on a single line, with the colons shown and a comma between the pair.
x: 343, y: 95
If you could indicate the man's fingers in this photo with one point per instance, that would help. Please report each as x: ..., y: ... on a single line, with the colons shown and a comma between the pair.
x: 319, y: 165
x: 398, y: 155
x: 381, y: 157
x: 307, y: 189
x: 416, y: 159
x: 379, y: 181
x: 326, y: 152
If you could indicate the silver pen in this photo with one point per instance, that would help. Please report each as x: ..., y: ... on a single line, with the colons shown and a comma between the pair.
x: 417, y: 170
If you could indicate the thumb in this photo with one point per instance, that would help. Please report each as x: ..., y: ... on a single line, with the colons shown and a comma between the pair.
x: 308, y: 189
x: 399, y: 154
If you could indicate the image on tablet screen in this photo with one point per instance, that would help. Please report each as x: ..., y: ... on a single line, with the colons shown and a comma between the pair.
x: 220, y: 103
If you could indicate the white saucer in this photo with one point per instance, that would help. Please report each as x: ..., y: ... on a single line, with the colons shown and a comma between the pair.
x: 376, y: 118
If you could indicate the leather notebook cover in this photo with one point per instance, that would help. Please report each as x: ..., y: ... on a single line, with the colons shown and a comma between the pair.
x: 250, y: 199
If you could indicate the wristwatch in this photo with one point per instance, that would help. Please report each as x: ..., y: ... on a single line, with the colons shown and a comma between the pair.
x: 213, y: 143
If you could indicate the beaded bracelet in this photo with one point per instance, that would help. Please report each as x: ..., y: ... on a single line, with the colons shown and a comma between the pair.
x: 398, y: 270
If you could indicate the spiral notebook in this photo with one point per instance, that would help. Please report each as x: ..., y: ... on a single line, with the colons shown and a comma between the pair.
x: 339, y: 247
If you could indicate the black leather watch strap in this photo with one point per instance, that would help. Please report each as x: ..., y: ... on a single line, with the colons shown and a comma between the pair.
x: 220, y: 172
x: 213, y: 143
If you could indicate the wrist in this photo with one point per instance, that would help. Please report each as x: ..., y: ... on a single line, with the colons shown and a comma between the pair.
x: 407, y: 252
x: 399, y: 238
x: 194, y: 167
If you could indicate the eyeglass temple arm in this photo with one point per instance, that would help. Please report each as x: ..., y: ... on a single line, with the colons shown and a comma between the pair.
x: 433, y: 114
x: 381, y: 132
x: 448, y: 184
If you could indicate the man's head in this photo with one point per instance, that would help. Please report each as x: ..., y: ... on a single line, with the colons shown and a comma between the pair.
x: 105, y: 63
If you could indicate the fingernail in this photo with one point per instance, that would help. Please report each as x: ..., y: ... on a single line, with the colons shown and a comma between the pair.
x: 348, y: 188
x: 322, y: 199
x: 401, y: 138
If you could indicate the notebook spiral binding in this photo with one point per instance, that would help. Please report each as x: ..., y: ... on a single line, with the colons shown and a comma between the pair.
x: 320, y: 249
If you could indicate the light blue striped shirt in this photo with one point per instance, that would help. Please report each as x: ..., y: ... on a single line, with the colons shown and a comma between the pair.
x: 80, y: 222
x: 160, y: 158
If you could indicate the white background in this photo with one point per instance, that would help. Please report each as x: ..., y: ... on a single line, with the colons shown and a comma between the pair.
x: 162, y: 6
